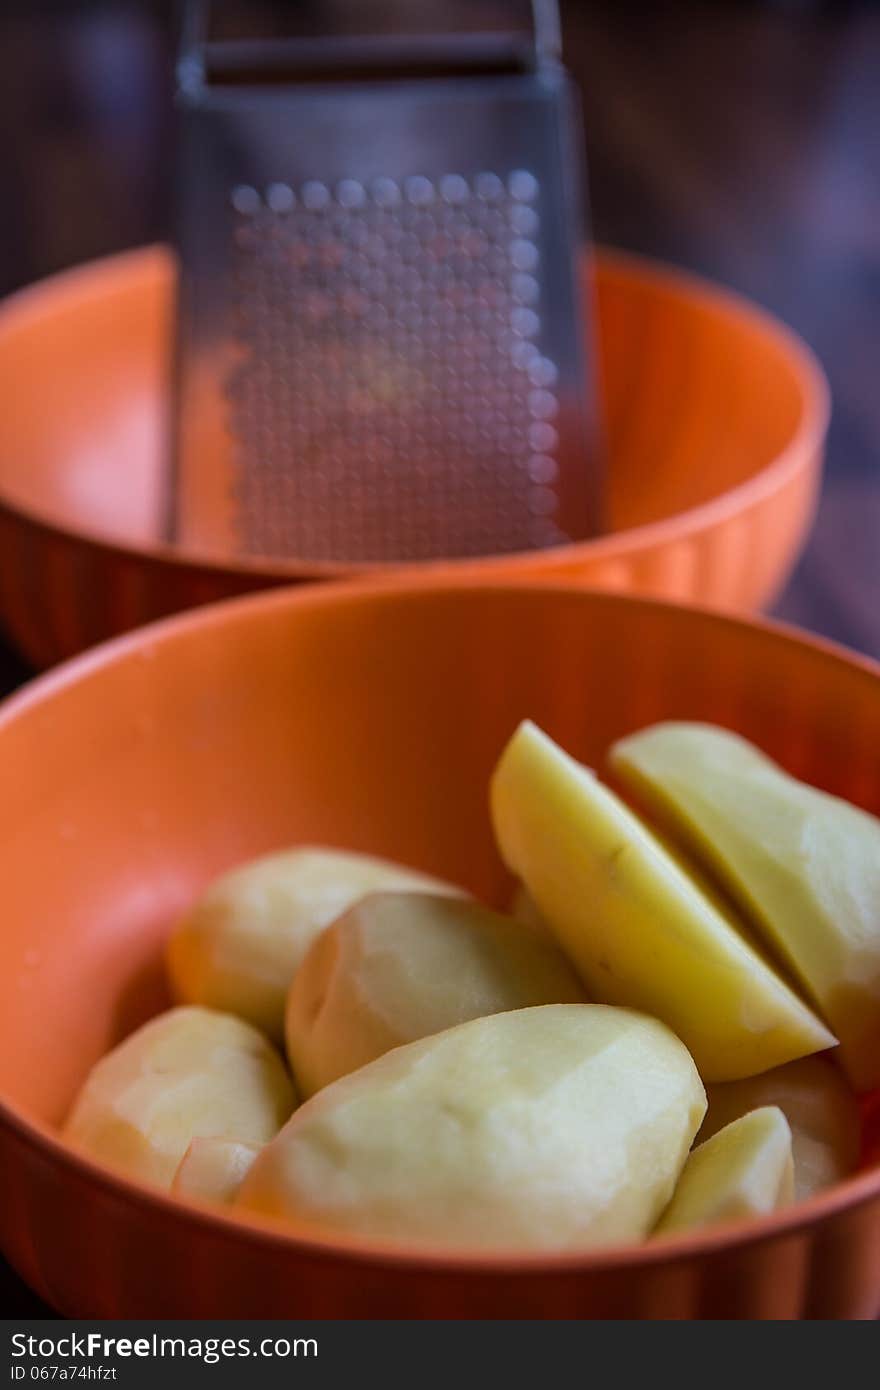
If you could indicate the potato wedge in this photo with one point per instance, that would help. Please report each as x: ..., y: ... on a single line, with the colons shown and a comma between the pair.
x: 745, y: 1170
x: 821, y: 1110
x: 803, y: 865
x: 637, y: 926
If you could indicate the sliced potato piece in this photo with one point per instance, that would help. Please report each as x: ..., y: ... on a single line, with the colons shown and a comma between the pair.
x: 744, y: 1170
x: 804, y: 865
x: 639, y: 929
x: 522, y: 909
x: 213, y: 1170
x: 821, y: 1110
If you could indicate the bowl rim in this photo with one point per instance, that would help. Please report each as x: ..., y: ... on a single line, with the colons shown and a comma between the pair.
x: 853, y: 1191
x: 108, y: 274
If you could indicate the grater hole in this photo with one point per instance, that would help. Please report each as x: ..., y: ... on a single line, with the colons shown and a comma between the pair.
x: 523, y: 186
x: 489, y: 187
x: 315, y: 197
x: 246, y: 200
x: 523, y: 220
x: 543, y: 469
x: 418, y: 190
x: 350, y: 194
x: 543, y: 405
x: 388, y: 359
x: 280, y: 197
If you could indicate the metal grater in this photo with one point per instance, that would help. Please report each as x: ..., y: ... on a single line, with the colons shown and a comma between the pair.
x: 380, y: 350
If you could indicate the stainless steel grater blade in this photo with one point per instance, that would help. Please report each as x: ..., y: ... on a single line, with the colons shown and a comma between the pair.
x: 380, y: 349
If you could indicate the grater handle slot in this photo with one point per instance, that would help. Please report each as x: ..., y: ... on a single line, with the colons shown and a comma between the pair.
x: 281, y: 57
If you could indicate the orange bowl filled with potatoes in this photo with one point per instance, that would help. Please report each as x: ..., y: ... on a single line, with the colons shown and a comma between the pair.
x: 444, y: 950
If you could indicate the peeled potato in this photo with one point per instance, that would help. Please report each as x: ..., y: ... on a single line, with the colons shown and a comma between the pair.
x: 523, y: 908
x: 213, y: 1169
x: 640, y: 929
x: 399, y: 966
x: 188, y: 1073
x: 239, y: 947
x: 744, y: 1170
x: 820, y: 1108
x: 803, y: 866
x: 557, y: 1127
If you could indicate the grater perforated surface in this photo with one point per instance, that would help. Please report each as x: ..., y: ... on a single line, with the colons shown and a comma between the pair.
x: 390, y: 399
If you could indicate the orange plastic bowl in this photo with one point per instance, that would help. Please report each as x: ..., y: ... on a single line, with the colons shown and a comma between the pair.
x: 715, y: 417
x: 370, y: 716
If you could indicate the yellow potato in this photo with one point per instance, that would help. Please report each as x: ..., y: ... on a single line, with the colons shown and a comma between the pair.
x: 821, y: 1110
x: 640, y: 930
x: 557, y: 1127
x: 188, y: 1073
x: 522, y: 909
x: 804, y: 865
x: 239, y: 946
x: 744, y: 1170
x: 213, y: 1170
x: 399, y: 966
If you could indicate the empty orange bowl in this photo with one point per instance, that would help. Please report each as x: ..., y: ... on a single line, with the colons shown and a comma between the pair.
x: 715, y: 419
x: 369, y: 716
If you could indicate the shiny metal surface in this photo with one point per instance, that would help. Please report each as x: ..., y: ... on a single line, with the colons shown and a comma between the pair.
x: 379, y: 353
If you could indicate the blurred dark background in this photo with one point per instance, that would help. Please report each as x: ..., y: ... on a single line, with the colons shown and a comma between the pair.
x: 741, y: 140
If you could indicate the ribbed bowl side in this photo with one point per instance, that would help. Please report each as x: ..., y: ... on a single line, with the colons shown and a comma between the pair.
x: 94, y: 1255
x: 715, y: 419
